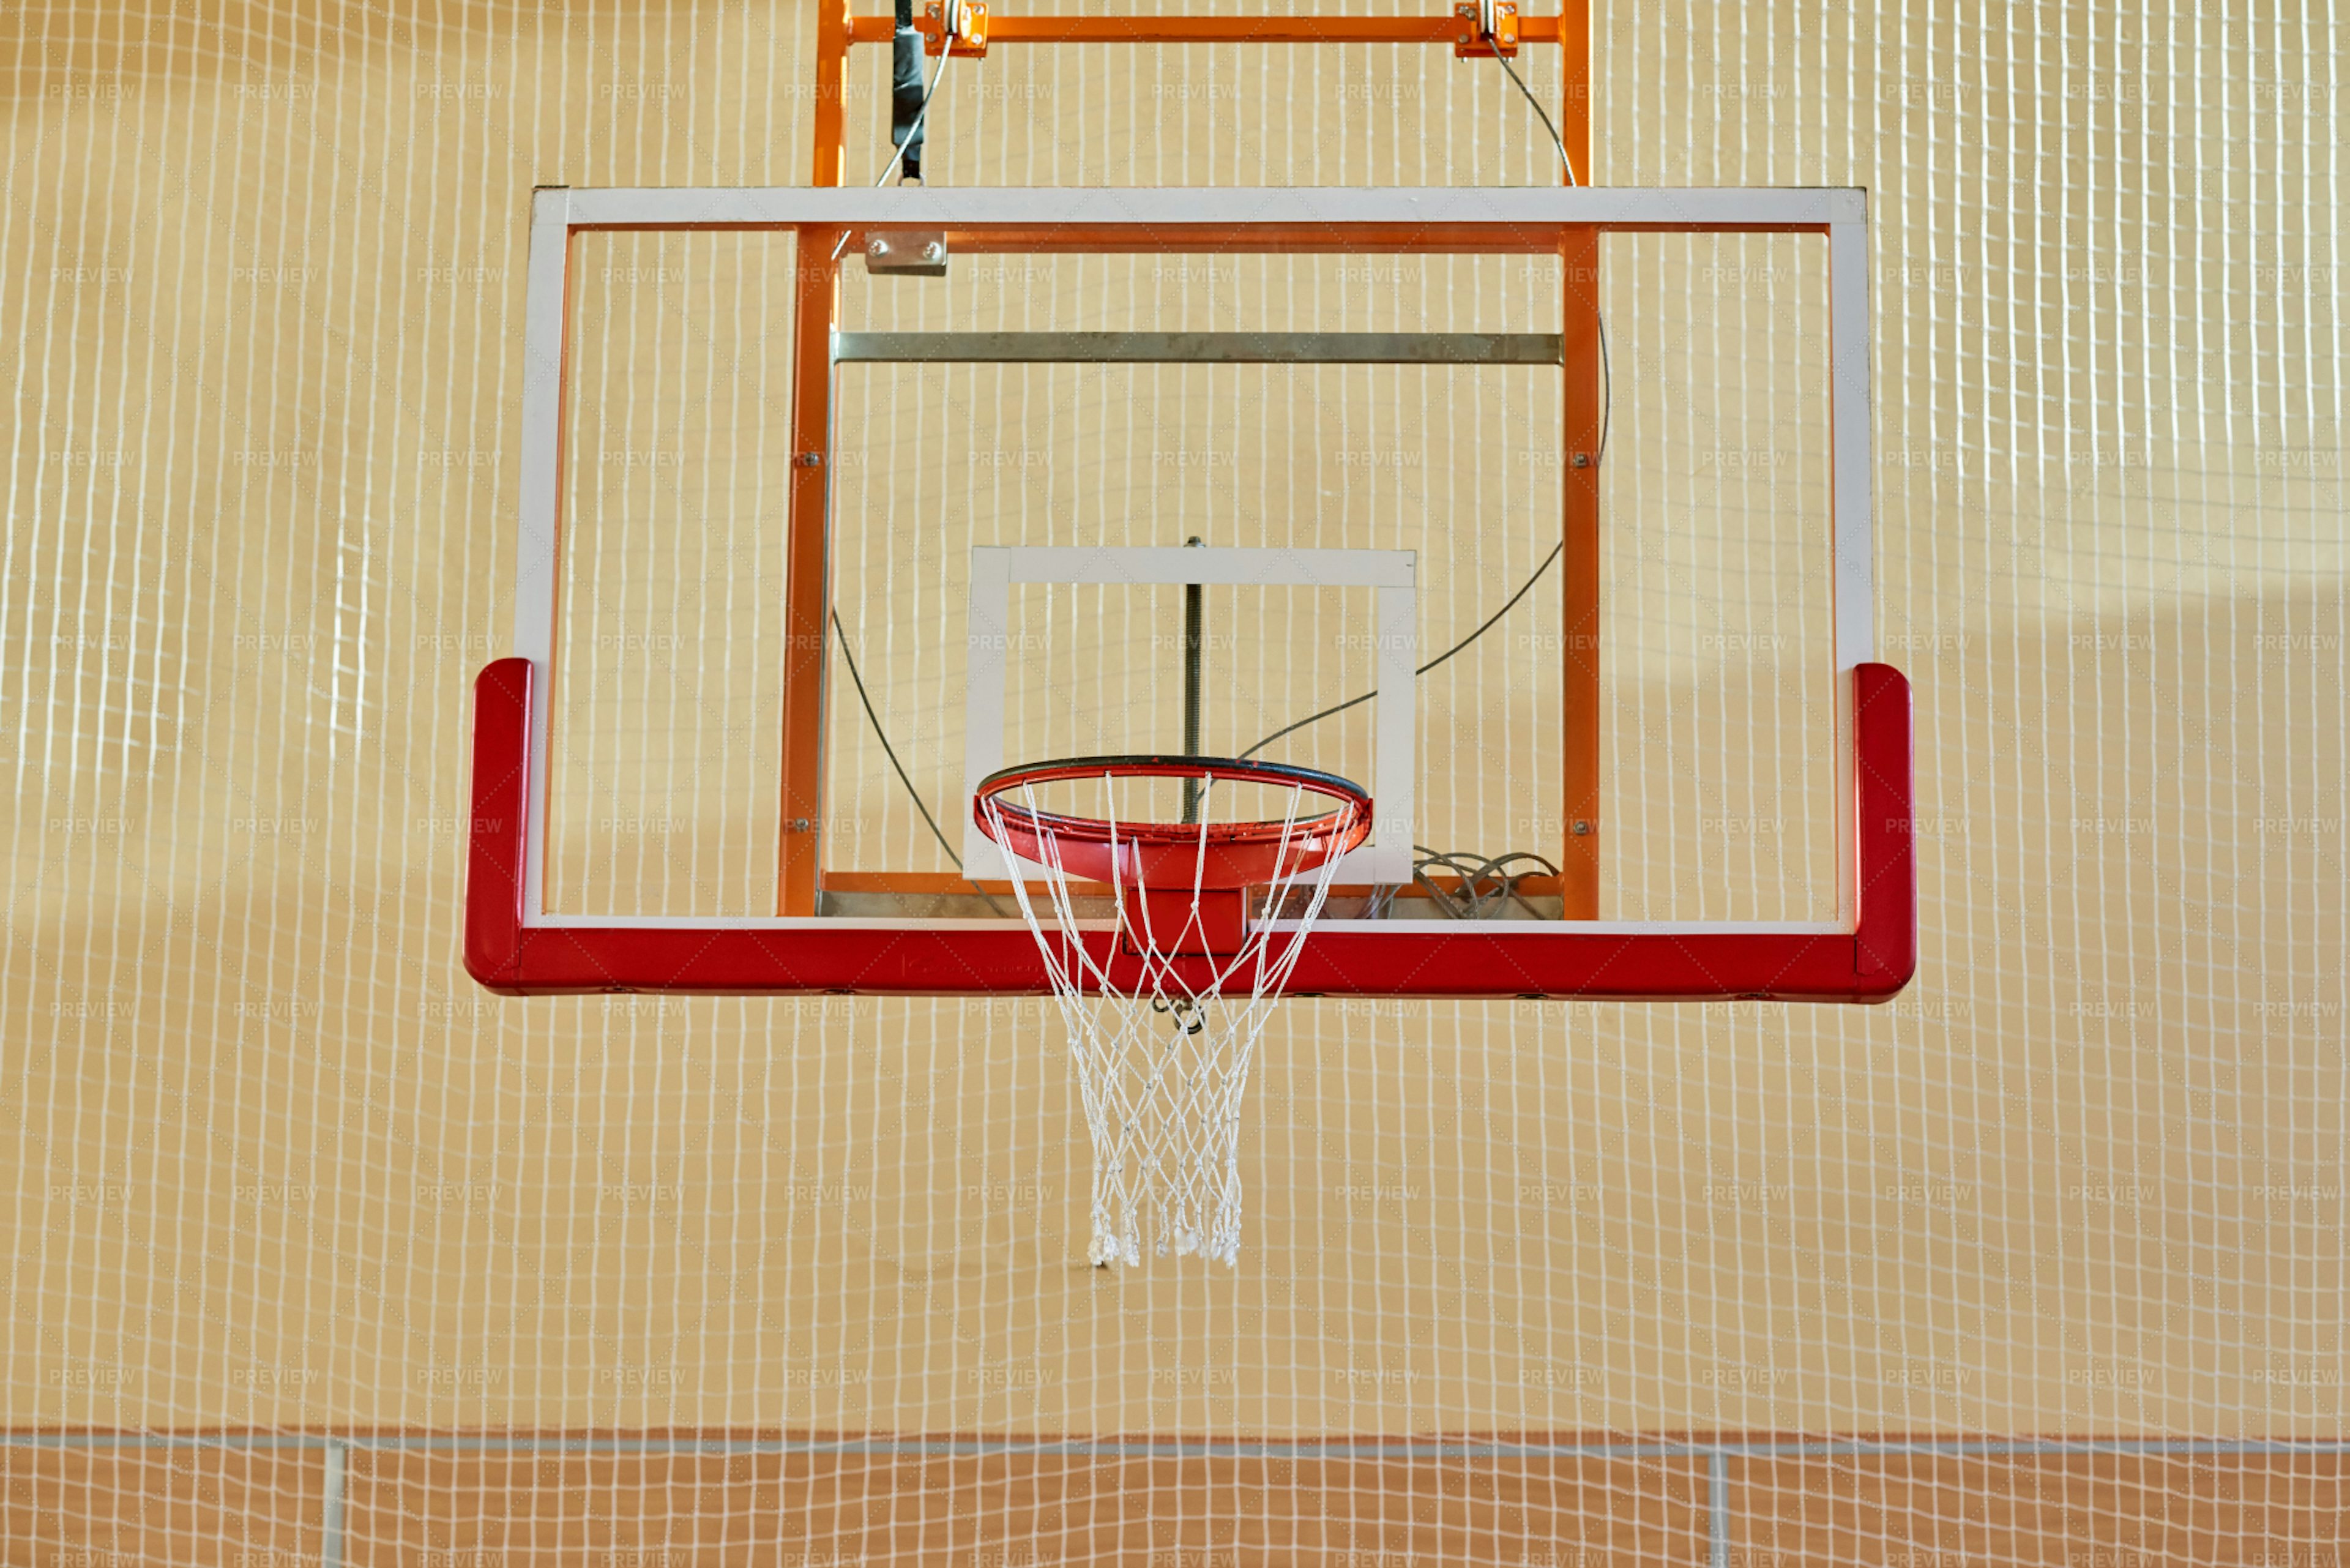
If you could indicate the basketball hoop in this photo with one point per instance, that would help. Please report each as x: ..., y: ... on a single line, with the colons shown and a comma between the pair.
x: 1161, y: 1085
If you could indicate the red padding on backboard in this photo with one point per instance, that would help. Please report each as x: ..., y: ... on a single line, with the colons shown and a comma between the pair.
x: 496, y: 857
x: 916, y: 959
x: 1884, y: 945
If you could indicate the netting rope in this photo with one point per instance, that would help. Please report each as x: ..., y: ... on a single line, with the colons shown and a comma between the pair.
x: 1161, y: 1038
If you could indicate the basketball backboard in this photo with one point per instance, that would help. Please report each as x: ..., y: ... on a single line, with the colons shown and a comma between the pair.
x: 797, y: 567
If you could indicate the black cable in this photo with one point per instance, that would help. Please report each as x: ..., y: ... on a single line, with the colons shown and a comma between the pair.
x: 1606, y: 375
x: 1474, y: 869
x: 1541, y: 113
x: 1606, y: 388
x: 1357, y: 702
x: 888, y: 750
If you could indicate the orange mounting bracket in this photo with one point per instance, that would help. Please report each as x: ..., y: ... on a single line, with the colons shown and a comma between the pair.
x: 1471, y: 45
x: 963, y: 23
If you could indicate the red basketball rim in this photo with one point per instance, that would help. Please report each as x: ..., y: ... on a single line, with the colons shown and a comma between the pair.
x: 1169, y: 855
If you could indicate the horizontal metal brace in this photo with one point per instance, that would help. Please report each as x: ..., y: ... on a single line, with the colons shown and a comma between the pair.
x: 1197, y: 347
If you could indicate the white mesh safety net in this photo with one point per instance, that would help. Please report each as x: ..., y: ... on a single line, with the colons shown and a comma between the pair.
x: 319, y: 1253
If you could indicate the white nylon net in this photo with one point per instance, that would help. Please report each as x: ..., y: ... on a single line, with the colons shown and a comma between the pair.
x: 1161, y: 1043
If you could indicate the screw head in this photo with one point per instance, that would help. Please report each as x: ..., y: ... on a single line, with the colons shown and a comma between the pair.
x: 1582, y: 460
x: 877, y: 247
x: 934, y: 251
x: 799, y: 825
x: 1582, y: 828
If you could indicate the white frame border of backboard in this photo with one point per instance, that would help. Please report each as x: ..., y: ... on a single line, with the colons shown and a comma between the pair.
x: 1395, y: 647
x: 559, y: 213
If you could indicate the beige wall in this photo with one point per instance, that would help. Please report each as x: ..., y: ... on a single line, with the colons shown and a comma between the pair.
x: 275, y: 1159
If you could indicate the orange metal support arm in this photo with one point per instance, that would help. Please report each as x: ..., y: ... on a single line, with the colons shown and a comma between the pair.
x: 808, y: 591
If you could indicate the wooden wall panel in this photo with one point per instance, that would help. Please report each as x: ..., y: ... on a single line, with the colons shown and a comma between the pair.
x: 149, y: 1508
x: 227, y: 1508
x: 2062, y: 1510
x: 1014, y: 1511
